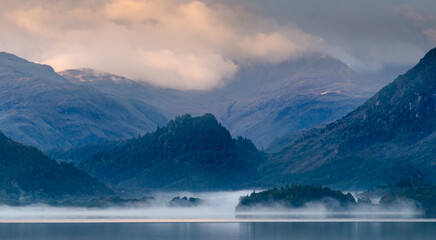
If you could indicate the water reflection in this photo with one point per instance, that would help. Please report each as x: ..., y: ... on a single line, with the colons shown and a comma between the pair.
x: 218, y: 231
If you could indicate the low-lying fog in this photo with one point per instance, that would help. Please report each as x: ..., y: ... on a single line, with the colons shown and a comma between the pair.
x: 215, y: 205
x: 219, y: 205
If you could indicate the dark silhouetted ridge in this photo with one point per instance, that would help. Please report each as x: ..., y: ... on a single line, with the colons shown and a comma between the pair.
x: 190, y: 153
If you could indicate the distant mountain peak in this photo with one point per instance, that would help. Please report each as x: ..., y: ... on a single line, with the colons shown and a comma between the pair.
x: 41, y: 108
x: 89, y: 75
x: 262, y: 102
x: 430, y: 56
x: 11, y: 57
x: 8, y: 57
x: 428, y: 60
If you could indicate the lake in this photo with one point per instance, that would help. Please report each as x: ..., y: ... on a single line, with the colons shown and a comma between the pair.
x: 215, y: 220
x: 218, y: 231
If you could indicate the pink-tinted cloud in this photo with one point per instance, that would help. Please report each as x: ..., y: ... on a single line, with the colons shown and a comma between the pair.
x: 172, y: 43
x: 426, y: 23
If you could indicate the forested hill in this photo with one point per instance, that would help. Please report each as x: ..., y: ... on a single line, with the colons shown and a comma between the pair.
x: 190, y: 153
x: 296, y: 196
x: 27, y: 175
x: 392, y: 135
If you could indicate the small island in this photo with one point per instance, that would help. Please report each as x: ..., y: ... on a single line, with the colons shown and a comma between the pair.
x: 185, y: 202
x: 418, y: 195
x: 416, y: 189
x: 296, y: 196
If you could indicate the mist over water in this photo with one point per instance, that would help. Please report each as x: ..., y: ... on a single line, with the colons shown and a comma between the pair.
x: 316, y: 210
x: 215, y: 205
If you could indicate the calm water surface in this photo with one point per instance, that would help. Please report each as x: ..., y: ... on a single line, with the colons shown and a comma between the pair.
x: 218, y: 231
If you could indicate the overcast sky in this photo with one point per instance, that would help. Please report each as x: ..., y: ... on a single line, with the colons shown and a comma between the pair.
x: 199, y: 44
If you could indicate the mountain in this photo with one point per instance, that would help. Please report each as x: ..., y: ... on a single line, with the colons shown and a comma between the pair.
x: 26, y: 175
x: 77, y: 154
x: 284, y: 140
x: 385, y: 75
x: 263, y: 101
x: 293, y: 95
x: 38, y: 107
x: 391, y: 135
x: 190, y: 153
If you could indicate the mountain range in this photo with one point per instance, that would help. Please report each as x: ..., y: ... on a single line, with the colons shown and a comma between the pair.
x: 262, y: 102
x: 391, y: 135
x: 38, y: 107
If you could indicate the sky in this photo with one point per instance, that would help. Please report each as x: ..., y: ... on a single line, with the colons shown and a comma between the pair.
x: 186, y: 44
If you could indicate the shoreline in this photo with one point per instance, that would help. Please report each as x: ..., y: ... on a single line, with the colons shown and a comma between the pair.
x: 181, y: 220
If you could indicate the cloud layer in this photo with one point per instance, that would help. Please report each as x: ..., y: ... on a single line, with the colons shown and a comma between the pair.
x: 188, y: 44
x: 368, y: 35
x: 171, y: 43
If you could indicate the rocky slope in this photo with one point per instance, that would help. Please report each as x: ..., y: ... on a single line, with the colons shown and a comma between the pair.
x: 389, y: 136
x: 262, y: 102
x: 40, y: 108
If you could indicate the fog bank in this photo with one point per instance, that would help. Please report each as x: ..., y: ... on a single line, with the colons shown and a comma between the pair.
x: 215, y: 205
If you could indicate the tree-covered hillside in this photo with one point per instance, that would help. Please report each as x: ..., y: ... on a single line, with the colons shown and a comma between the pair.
x: 77, y: 154
x: 295, y: 196
x: 27, y: 175
x: 190, y: 153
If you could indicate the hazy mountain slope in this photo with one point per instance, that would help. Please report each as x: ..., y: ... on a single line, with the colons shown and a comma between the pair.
x: 268, y: 118
x: 387, y: 74
x: 391, y: 135
x: 310, y: 73
x: 279, y: 143
x: 293, y: 95
x: 169, y: 101
x: 40, y: 108
x: 188, y: 154
x: 27, y: 175
x: 262, y: 102
x: 77, y: 154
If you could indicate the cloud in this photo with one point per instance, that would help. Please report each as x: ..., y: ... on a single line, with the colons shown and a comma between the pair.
x: 171, y: 43
x: 408, y: 12
x: 431, y: 33
x: 203, y: 43
x: 199, y: 72
x: 425, y: 23
x: 367, y: 35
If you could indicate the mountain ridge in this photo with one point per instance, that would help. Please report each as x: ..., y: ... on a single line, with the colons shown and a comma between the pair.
x: 369, y: 142
x: 262, y: 102
x: 38, y: 107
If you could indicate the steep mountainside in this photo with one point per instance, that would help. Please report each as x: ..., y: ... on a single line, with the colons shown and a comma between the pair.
x: 392, y: 135
x: 77, y: 154
x: 188, y: 154
x: 26, y: 175
x: 40, y: 108
x: 262, y: 102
